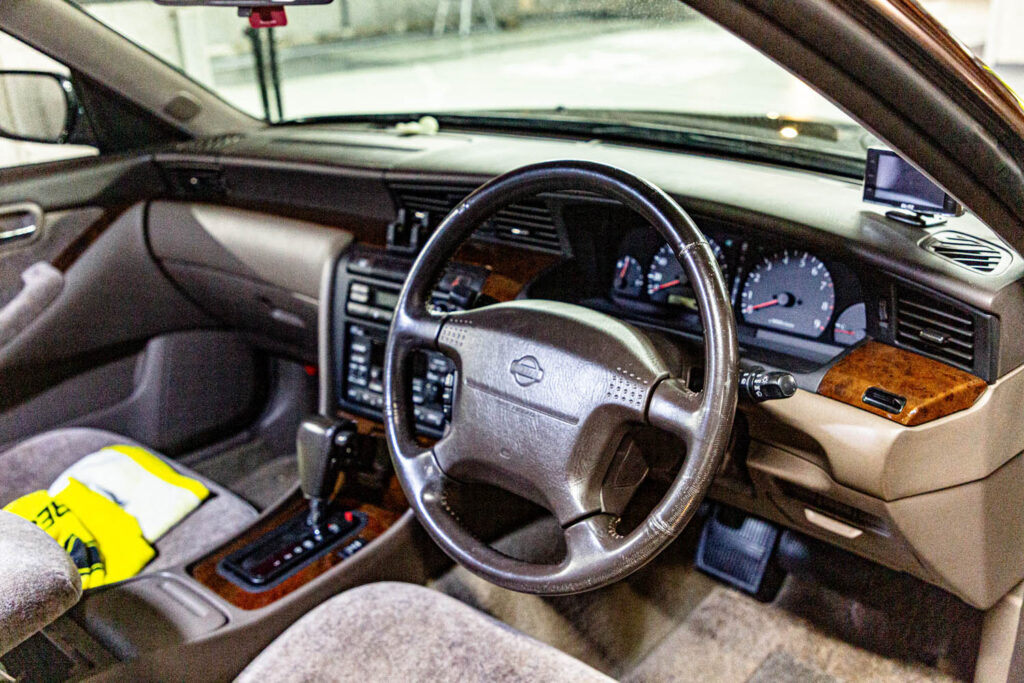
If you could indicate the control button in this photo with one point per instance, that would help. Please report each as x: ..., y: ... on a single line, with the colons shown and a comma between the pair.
x: 359, y: 346
x: 362, y: 310
x: 376, y: 387
x: 379, y: 314
x: 434, y: 418
x: 308, y: 544
x: 353, y: 547
x: 438, y: 364
x: 359, y: 291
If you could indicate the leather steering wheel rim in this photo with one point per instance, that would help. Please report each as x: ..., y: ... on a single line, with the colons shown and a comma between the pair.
x: 545, y: 418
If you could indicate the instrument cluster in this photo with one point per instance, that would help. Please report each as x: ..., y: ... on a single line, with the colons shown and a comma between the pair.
x: 775, y: 289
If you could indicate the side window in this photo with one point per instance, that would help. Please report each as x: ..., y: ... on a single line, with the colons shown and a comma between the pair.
x: 16, y: 101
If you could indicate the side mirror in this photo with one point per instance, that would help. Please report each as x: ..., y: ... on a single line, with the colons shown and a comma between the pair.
x: 36, y: 106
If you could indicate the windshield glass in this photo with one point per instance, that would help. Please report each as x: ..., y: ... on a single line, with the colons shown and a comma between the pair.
x: 653, y: 64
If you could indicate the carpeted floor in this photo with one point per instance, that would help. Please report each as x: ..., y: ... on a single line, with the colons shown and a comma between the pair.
x: 669, y: 622
x: 253, y: 471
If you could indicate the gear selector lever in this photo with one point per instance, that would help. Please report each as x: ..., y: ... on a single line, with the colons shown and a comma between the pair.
x: 322, y: 445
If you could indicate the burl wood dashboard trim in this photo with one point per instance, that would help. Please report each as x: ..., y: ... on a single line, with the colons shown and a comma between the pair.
x: 932, y: 389
x: 379, y: 519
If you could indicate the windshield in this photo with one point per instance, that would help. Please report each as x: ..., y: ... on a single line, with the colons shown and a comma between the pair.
x: 655, y: 65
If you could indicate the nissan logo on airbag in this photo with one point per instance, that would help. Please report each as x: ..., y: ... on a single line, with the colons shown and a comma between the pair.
x: 526, y: 371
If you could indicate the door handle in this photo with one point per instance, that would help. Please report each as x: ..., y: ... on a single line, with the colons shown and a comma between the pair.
x: 18, y: 222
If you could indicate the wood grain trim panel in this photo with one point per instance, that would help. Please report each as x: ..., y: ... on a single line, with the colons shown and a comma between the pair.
x: 932, y: 389
x: 380, y: 518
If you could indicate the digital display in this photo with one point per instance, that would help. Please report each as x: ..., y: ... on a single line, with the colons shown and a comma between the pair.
x: 892, y: 181
x: 385, y: 299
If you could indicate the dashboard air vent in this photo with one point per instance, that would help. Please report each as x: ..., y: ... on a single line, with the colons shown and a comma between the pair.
x: 210, y: 145
x: 935, y: 328
x: 528, y: 223
x: 968, y: 251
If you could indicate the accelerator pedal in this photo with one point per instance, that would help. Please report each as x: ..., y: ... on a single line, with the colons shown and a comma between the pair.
x: 737, y: 548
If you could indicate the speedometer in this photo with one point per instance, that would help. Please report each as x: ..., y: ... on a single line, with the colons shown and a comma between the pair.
x: 790, y: 291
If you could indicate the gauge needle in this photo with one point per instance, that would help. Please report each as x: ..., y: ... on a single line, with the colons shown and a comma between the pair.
x: 850, y: 332
x: 671, y: 283
x: 766, y: 304
x: 625, y: 267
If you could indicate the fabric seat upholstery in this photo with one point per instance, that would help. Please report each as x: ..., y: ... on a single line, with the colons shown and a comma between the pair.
x: 402, y: 632
x: 36, y: 462
x: 38, y: 580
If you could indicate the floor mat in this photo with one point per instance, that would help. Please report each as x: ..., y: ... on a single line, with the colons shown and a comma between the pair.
x: 733, y: 638
x: 266, y: 484
x: 669, y: 622
x: 253, y: 471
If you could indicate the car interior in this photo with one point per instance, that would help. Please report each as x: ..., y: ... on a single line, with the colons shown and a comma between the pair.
x: 465, y: 399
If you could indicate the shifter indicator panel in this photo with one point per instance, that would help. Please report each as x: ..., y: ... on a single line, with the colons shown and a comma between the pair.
x: 289, y: 547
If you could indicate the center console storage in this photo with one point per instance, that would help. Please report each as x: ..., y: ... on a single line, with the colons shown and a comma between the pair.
x: 367, y: 284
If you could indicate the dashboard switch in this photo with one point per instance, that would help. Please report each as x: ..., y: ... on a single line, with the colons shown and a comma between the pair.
x: 759, y: 386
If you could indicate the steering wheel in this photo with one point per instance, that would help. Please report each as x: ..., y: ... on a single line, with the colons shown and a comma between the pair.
x: 547, y: 390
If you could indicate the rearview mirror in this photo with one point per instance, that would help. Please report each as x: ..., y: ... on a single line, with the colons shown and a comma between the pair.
x: 36, y: 106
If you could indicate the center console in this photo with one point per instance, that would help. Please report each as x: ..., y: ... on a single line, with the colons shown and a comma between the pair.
x: 367, y: 284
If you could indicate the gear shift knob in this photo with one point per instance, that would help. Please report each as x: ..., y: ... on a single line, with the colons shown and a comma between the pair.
x: 320, y: 444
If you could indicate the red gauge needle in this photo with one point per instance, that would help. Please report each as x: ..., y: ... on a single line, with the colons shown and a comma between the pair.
x: 766, y: 304
x: 850, y: 332
x: 672, y: 283
x: 625, y: 267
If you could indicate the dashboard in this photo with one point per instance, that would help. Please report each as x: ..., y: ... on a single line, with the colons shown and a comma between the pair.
x: 854, y: 305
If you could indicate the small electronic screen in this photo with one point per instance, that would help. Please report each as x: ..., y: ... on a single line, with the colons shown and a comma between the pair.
x: 892, y: 181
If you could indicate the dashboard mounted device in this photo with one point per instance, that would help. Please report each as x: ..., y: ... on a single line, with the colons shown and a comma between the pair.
x: 890, y: 180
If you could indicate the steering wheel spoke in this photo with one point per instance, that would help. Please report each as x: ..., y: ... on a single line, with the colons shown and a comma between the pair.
x: 418, y: 330
x: 677, y: 410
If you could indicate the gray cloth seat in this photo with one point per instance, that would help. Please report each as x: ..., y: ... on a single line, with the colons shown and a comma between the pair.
x: 408, y: 633
x: 36, y: 462
x: 38, y: 580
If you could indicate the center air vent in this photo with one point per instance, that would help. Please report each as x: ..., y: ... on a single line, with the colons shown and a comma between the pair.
x: 528, y: 223
x: 968, y: 251
x: 935, y: 328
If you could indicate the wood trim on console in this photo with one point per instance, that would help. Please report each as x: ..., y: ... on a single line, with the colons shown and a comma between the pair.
x: 380, y: 518
x: 931, y: 389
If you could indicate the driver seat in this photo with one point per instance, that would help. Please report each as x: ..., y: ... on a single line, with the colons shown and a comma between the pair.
x: 405, y: 632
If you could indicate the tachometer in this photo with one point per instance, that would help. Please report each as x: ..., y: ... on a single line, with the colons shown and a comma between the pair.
x: 790, y: 291
x: 667, y: 281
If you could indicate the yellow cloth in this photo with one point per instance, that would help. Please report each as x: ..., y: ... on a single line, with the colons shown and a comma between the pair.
x: 143, y: 485
x: 104, y: 541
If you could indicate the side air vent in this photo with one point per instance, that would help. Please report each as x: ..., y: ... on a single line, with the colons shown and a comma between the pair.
x: 935, y: 328
x: 968, y: 251
x: 528, y: 223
